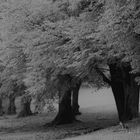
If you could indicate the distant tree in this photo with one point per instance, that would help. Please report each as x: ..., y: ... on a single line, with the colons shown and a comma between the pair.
x: 25, y: 106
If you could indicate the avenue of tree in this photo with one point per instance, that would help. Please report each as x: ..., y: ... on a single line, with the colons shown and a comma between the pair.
x: 49, y: 48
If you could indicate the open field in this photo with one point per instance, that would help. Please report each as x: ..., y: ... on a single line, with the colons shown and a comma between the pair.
x: 98, y: 112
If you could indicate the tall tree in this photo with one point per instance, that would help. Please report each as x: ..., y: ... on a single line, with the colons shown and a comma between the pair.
x: 84, y: 38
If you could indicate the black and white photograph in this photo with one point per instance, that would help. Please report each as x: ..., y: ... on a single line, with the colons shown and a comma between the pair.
x: 69, y: 69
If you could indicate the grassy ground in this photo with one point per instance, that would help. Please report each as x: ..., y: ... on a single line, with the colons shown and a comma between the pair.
x: 114, y: 133
x: 98, y: 112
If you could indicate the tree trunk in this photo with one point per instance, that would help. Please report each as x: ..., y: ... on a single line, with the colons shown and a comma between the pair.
x: 131, y: 91
x: 11, y: 107
x: 1, y: 108
x: 25, y: 108
x: 65, y: 113
x: 118, y: 93
x: 75, y: 94
x: 125, y: 91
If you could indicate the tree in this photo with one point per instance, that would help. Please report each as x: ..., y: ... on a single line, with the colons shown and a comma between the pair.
x: 123, y: 80
x: 25, y: 106
x: 12, y: 50
x: 75, y: 95
x: 118, y: 48
x: 66, y: 39
x: 65, y: 113
x: 112, y: 43
x: 7, y: 90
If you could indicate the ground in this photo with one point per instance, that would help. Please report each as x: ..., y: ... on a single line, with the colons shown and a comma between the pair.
x: 98, y: 121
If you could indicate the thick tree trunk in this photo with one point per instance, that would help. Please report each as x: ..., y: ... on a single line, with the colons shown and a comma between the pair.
x: 1, y: 108
x: 75, y: 95
x: 131, y: 91
x: 125, y: 91
x: 25, y: 108
x: 11, y: 106
x: 65, y: 113
x: 118, y: 93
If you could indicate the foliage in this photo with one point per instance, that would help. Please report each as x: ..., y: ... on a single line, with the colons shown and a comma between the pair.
x: 43, y: 39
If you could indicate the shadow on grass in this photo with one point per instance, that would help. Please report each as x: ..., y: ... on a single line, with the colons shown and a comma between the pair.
x: 89, y: 122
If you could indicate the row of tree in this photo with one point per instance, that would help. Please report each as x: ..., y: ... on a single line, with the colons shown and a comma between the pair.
x: 51, y: 47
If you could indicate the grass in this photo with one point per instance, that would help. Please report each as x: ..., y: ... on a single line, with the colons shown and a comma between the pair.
x: 114, y: 133
x: 31, y: 128
x: 98, y: 113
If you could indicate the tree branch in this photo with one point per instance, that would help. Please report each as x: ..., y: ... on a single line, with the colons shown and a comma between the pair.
x: 105, y: 79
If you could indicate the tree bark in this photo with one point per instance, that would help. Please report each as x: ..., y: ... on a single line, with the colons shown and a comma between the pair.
x: 25, y: 108
x: 125, y: 91
x: 131, y: 91
x: 118, y: 93
x: 65, y: 112
x: 11, y: 106
x: 75, y: 95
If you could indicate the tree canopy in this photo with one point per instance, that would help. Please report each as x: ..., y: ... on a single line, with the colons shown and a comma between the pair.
x: 40, y: 39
